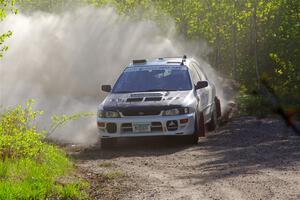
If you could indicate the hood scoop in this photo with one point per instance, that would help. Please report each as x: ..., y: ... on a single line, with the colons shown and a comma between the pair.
x: 141, y: 95
x: 144, y: 99
x: 134, y: 99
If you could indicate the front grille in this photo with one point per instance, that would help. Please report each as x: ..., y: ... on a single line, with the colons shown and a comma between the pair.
x: 140, y: 112
x: 156, y: 127
x: 126, y: 128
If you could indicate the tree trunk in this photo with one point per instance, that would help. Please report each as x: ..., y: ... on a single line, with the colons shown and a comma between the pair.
x: 255, y: 44
x: 218, y: 51
x: 234, y: 46
x: 218, y: 42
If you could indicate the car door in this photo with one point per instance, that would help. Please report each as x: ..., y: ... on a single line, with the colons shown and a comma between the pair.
x: 201, y: 94
x: 206, y: 94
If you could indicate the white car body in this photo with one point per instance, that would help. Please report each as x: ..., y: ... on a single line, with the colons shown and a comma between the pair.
x: 146, y: 113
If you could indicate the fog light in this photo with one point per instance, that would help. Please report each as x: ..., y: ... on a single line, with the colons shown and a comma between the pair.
x: 111, y: 127
x: 184, y: 121
x: 101, y: 124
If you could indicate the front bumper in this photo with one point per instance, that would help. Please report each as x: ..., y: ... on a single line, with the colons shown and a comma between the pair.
x: 158, y: 126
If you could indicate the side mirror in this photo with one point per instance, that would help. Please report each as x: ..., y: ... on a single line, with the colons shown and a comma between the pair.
x: 106, y: 88
x: 201, y: 84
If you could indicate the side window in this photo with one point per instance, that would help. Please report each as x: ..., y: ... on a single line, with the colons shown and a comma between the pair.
x: 194, y: 75
x: 200, y: 72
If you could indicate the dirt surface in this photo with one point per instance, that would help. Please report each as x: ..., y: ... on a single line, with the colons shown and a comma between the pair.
x: 246, y: 159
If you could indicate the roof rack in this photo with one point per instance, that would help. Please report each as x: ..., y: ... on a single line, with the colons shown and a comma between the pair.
x: 183, y: 59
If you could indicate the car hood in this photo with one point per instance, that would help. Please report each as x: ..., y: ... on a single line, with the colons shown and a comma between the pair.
x: 168, y: 99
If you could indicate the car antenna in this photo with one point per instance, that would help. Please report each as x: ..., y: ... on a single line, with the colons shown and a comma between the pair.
x: 183, y: 59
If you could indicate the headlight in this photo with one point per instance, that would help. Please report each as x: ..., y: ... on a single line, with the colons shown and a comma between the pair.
x: 176, y: 111
x: 108, y: 114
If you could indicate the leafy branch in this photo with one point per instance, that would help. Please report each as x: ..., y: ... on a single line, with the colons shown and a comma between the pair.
x: 59, y: 121
x: 5, y: 7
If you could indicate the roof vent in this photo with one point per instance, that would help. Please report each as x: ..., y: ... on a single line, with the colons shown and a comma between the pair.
x: 153, y: 99
x: 139, y: 61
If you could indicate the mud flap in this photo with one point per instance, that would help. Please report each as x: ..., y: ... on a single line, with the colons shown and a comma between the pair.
x: 218, y: 107
x: 201, y: 126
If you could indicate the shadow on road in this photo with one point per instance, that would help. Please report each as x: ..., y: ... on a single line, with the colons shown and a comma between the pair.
x: 246, y: 146
x: 130, y: 147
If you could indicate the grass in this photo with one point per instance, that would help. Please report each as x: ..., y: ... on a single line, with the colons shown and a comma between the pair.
x: 26, y: 178
x: 31, y: 168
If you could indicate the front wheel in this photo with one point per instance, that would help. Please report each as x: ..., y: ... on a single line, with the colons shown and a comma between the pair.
x: 199, y: 130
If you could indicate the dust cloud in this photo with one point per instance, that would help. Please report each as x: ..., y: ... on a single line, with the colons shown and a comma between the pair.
x: 62, y: 59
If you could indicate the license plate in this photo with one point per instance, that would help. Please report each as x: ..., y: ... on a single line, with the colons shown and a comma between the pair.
x: 141, y: 127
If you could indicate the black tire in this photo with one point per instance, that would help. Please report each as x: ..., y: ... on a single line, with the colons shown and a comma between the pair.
x: 213, y: 123
x: 193, y: 139
x: 216, y: 114
x: 108, y: 142
x: 199, y: 130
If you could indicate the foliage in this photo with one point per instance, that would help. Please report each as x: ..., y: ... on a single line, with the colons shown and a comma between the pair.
x: 253, y: 104
x: 19, y: 135
x: 5, y: 5
x: 30, y: 168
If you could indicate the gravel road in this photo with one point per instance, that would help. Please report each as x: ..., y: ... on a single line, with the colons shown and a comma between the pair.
x: 248, y: 158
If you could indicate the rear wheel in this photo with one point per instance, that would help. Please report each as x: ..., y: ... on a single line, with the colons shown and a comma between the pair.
x: 216, y: 114
x: 213, y: 123
x: 108, y: 142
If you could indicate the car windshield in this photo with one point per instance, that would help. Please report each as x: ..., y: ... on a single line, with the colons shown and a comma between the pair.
x: 153, y: 78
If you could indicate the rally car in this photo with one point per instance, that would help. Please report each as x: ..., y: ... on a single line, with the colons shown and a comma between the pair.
x: 161, y: 97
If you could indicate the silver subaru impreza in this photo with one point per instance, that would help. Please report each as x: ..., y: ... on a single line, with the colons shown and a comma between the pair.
x: 161, y: 97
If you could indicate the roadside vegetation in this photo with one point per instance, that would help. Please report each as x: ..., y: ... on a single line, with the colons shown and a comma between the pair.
x: 31, y: 168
